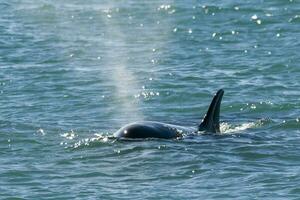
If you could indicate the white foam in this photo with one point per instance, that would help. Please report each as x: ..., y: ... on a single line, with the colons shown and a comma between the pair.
x: 69, y: 135
x: 230, y: 129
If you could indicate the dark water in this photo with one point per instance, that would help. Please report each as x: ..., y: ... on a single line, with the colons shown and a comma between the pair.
x: 73, y: 72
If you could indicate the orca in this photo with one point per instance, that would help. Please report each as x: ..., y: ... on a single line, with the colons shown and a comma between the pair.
x: 153, y: 129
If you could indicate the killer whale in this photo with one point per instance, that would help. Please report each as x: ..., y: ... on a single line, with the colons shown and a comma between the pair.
x: 153, y: 129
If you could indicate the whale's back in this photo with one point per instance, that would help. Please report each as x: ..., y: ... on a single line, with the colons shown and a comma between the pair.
x: 147, y: 129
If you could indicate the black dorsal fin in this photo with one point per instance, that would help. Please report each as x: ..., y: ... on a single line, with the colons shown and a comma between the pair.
x: 211, y: 121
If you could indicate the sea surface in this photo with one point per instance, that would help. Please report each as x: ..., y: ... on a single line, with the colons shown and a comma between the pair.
x: 73, y: 72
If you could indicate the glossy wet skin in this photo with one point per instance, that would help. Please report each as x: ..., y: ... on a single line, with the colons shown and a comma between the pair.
x: 148, y: 129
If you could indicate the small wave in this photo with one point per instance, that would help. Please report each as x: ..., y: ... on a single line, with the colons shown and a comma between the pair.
x: 233, y: 129
x: 4, y: 5
x: 291, y: 124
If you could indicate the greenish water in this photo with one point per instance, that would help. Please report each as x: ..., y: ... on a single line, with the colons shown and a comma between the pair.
x: 73, y: 72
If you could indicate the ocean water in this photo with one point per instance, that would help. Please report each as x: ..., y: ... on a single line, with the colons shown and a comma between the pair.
x: 73, y: 72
